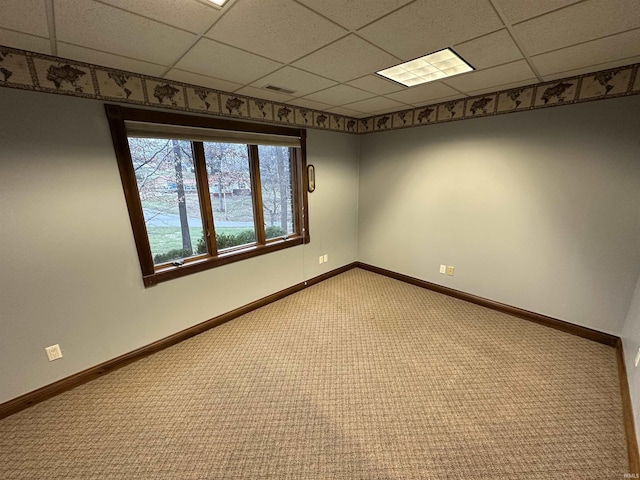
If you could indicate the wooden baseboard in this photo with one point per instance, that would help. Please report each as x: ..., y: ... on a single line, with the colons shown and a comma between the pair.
x: 578, y: 330
x: 627, y: 410
x: 24, y: 401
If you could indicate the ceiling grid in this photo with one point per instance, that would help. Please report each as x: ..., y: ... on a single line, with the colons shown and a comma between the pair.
x: 326, y: 51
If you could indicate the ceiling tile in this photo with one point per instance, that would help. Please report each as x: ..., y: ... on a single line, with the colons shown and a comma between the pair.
x: 519, y: 10
x: 265, y: 94
x: 425, y: 26
x: 301, y: 82
x: 227, y: 63
x: 189, y: 15
x: 354, y: 14
x: 580, y: 23
x: 348, y: 58
x: 25, y: 42
x: 28, y: 16
x: 344, y: 111
x: 423, y: 93
x: 107, y: 60
x: 339, y: 95
x: 492, y: 77
x: 507, y: 86
x: 489, y: 50
x: 109, y: 29
x: 376, y: 84
x: 586, y: 55
x: 440, y: 100
x: 278, y: 29
x: 306, y: 103
x: 202, y: 80
x: 600, y: 66
x: 374, y: 105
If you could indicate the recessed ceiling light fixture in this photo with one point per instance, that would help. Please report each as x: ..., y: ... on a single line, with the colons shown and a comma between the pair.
x: 437, y: 65
x: 218, y: 2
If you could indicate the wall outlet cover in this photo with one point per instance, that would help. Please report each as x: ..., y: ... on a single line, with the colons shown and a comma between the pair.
x: 450, y: 271
x: 443, y: 269
x: 53, y: 352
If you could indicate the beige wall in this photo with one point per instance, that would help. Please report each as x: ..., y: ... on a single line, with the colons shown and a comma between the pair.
x: 69, y: 272
x: 540, y: 209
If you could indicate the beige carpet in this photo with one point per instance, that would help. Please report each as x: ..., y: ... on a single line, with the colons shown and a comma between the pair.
x: 359, y: 377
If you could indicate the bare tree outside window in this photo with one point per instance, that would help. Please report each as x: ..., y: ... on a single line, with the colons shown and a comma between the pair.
x: 166, y: 181
x: 275, y: 175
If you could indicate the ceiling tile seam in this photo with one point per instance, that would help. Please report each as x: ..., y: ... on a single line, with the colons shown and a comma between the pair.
x: 282, y: 64
x: 454, y: 88
x: 386, y: 15
x: 373, y: 95
x: 51, y: 26
x: 479, y: 37
x: 482, y: 70
x: 297, y: 68
x: 181, y: 56
x: 567, y: 73
x: 322, y: 15
x: 225, y: 10
x: 199, y: 37
x: 563, y: 7
x: 160, y: 22
x: 515, y: 38
x: 501, y: 87
x: 379, y: 48
x: 586, y: 41
x: 23, y: 33
x: 317, y: 50
x: 60, y: 42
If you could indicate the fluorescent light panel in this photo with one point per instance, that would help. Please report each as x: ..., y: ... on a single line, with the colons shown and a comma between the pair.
x: 218, y: 2
x: 437, y: 65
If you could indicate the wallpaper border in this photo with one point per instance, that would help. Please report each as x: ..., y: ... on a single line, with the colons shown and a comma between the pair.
x: 45, y: 73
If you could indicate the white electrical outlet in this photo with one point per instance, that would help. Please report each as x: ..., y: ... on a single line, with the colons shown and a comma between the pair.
x: 443, y: 269
x: 326, y: 257
x: 450, y: 271
x: 54, y: 352
x: 320, y: 259
x: 638, y: 357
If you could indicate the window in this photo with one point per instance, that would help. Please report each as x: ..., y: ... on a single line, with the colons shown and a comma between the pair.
x: 203, y: 192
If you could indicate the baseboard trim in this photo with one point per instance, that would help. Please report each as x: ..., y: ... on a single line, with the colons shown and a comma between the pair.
x: 48, y: 391
x: 627, y: 411
x: 578, y: 330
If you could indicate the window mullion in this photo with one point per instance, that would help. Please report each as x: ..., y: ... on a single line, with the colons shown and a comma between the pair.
x: 202, y: 178
x: 256, y: 191
x: 296, y: 196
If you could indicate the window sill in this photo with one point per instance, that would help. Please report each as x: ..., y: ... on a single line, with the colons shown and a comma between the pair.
x: 169, y: 272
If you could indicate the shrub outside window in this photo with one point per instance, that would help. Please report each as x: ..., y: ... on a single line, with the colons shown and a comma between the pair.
x: 203, y: 192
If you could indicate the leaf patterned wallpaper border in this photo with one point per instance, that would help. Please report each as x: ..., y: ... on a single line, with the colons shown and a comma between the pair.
x: 34, y: 71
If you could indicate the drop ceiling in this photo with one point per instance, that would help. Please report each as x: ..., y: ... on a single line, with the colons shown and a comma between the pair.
x: 326, y: 51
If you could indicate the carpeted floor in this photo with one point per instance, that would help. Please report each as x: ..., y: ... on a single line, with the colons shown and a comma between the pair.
x: 359, y: 377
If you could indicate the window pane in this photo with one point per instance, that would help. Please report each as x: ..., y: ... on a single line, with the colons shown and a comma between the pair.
x: 275, y: 175
x: 230, y: 189
x: 166, y: 180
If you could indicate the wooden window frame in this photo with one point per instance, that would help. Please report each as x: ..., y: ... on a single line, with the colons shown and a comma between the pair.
x: 153, y: 274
